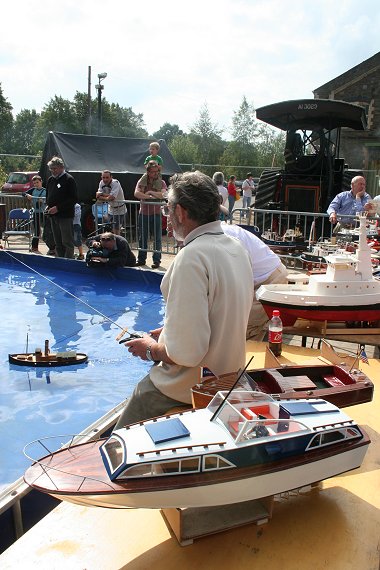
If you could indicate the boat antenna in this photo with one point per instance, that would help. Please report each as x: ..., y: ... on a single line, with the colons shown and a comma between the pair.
x: 65, y: 291
x: 233, y: 387
x: 27, y: 339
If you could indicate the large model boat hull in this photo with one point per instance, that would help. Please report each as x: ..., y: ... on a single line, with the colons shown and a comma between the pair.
x: 194, y: 490
x: 318, y: 311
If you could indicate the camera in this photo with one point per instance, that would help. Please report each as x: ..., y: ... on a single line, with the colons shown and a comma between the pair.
x: 94, y: 252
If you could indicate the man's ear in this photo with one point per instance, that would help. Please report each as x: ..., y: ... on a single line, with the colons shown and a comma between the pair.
x: 181, y: 213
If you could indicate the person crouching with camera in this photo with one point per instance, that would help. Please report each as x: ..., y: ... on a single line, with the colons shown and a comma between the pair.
x: 109, y: 250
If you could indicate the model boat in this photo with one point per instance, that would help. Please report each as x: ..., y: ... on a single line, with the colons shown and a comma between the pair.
x: 292, y: 240
x: 46, y: 358
x: 243, y: 446
x: 333, y: 383
x: 348, y: 291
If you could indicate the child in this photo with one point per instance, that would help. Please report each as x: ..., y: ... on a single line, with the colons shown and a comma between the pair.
x: 154, y: 149
x: 78, y: 230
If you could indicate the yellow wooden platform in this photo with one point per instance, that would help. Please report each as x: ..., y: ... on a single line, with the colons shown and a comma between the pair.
x: 336, y: 526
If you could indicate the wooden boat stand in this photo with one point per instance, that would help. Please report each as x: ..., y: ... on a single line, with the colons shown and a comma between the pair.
x: 191, y: 523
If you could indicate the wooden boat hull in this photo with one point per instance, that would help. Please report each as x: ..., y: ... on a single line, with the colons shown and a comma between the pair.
x: 350, y: 388
x: 91, y: 485
x: 52, y: 360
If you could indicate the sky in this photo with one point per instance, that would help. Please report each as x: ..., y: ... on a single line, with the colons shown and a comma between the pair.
x: 166, y: 59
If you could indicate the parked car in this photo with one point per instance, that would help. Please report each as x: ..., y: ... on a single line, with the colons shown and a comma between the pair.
x: 18, y: 182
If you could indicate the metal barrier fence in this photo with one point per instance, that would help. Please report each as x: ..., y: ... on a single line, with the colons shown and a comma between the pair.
x: 151, y: 236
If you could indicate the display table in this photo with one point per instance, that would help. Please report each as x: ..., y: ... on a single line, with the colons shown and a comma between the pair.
x: 336, y: 525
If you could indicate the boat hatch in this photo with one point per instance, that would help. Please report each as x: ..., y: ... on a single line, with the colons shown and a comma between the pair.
x: 301, y: 408
x: 166, y: 430
x: 114, y: 454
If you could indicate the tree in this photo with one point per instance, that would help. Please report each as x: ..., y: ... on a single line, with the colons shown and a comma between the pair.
x: 184, y: 150
x: 244, y: 126
x: 207, y: 136
x: 167, y: 132
x: 24, y: 140
x: 121, y: 121
x: 6, y: 122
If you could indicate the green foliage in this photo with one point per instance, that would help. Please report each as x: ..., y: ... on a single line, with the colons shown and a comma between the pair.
x: 6, y: 123
x: 167, y: 132
x: 185, y: 151
x: 244, y: 126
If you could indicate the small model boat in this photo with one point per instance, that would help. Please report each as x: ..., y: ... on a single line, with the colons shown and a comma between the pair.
x: 348, y: 291
x: 47, y: 358
x: 243, y: 446
x: 291, y: 241
x: 333, y: 383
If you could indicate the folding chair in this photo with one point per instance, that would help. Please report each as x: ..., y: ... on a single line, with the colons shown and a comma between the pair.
x: 19, y: 224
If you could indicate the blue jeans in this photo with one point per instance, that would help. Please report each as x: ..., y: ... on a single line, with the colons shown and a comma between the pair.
x: 231, y: 204
x: 150, y: 225
x: 246, y: 201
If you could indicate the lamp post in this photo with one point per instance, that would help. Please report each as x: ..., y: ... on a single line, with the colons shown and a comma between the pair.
x: 99, y: 88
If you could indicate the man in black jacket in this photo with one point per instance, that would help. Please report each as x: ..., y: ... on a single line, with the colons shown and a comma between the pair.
x: 109, y: 250
x: 61, y: 196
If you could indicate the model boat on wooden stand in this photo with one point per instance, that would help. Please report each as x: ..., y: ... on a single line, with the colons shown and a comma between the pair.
x: 347, y: 292
x: 242, y: 447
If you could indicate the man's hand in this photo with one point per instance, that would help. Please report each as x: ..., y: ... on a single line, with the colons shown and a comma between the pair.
x: 138, y: 346
x: 155, y: 333
x: 53, y: 210
x: 333, y: 218
x: 100, y: 259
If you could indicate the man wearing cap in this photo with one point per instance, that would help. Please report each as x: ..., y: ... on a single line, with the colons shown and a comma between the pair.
x: 109, y: 250
x: 61, y: 197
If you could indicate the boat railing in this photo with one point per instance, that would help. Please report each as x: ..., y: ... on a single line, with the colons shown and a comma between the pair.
x: 189, y: 447
x: 334, y: 425
x: 47, y: 468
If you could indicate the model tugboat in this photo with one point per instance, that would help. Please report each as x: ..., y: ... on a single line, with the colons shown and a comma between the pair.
x: 48, y: 359
x: 243, y: 446
x: 348, y: 291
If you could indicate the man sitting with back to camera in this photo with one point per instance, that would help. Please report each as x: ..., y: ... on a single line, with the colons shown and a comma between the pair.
x: 109, y: 250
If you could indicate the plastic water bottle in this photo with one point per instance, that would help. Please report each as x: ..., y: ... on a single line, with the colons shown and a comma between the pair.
x: 275, y: 333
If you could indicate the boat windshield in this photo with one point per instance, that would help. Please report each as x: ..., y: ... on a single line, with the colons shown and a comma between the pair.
x: 248, y: 415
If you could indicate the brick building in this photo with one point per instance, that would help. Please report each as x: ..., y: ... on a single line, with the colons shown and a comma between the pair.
x: 359, y: 85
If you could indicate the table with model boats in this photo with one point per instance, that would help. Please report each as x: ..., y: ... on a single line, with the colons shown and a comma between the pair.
x: 334, y: 331
x: 335, y: 525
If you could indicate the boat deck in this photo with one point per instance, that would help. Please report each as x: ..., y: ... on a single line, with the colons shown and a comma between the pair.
x: 338, y: 522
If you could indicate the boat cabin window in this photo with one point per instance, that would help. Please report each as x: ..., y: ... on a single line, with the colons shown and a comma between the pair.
x: 334, y: 436
x: 211, y: 462
x: 114, y: 450
x: 161, y: 468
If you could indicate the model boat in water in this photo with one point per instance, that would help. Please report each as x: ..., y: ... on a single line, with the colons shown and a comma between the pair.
x: 348, y: 291
x: 46, y: 358
x: 243, y: 446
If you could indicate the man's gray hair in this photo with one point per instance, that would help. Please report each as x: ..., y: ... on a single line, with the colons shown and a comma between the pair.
x: 56, y: 161
x: 218, y: 178
x: 197, y: 194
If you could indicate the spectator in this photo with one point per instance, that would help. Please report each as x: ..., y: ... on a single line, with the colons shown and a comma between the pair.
x: 36, y: 196
x: 154, y: 149
x: 109, y: 250
x: 78, y: 230
x: 232, y: 190
x: 218, y: 178
x: 249, y: 191
x: 110, y: 191
x: 61, y: 197
x: 149, y: 220
x: 349, y: 203
x: 198, y: 329
x: 267, y: 268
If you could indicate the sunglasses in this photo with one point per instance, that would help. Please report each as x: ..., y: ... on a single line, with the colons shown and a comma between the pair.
x: 106, y: 239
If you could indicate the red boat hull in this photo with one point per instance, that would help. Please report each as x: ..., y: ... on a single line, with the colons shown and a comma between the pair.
x: 290, y: 313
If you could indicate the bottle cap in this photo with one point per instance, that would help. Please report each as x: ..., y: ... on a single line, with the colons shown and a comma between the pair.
x: 276, y: 313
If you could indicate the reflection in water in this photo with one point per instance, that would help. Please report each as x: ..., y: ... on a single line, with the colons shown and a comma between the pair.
x: 37, y: 402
